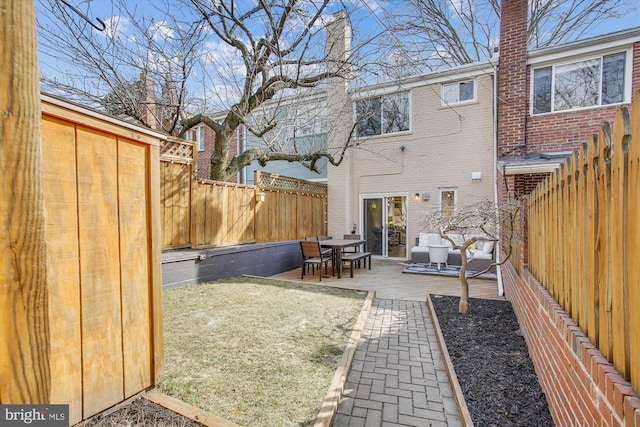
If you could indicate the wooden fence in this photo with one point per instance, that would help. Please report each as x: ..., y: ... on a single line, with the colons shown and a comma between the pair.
x: 178, y: 159
x: 101, y: 187
x: 584, y: 239
x: 208, y: 213
x: 292, y: 208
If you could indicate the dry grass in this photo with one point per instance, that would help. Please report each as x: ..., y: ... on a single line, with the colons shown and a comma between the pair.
x: 254, y: 351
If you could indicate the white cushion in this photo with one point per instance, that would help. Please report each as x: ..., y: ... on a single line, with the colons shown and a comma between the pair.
x: 488, y: 247
x: 478, y: 254
x: 457, y: 239
x: 426, y: 239
x: 423, y: 239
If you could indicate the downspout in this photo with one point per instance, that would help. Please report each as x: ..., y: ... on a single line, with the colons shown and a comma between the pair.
x: 495, y: 176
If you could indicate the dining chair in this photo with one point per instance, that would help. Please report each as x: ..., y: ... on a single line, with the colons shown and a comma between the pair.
x: 313, y: 255
x: 326, y: 251
x: 352, y: 249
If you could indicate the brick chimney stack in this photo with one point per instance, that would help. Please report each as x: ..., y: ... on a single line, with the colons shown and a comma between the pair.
x: 147, y: 101
x: 512, y: 101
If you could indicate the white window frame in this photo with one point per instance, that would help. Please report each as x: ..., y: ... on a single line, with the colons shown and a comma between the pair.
x: 454, y: 87
x: 198, y: 137
x: 382, y: 97
x: 575, y: 60
x: 441, y: 191
x: 196, y: 134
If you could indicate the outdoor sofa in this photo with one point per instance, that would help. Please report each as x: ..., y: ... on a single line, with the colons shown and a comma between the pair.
x: 480, y: 256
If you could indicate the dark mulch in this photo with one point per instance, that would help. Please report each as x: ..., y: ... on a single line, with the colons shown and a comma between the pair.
x: 492, y: 363
x: 141, y: 413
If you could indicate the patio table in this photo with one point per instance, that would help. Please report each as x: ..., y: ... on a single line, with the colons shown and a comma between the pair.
x: 338, y: 245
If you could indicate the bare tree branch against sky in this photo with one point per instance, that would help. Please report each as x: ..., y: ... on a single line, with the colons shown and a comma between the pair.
x: 217, y: 62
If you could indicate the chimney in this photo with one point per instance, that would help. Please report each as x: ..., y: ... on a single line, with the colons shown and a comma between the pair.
x: 513, y: 106
x: 339, y: 121
x: 147, y: 101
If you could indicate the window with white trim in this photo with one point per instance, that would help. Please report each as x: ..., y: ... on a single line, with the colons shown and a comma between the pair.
x: 382, y: 115
x: 458, y: 92
x: 196, y: 134
x: 581, y: 84
x: 447, y: 198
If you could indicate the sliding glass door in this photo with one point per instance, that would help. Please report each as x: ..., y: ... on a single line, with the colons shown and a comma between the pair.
x: 384, y: 225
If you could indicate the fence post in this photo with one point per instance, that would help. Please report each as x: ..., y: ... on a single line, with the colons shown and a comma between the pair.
x: 25, y: 375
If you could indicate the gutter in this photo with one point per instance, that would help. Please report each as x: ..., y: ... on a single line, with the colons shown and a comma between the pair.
x: 495, y: 176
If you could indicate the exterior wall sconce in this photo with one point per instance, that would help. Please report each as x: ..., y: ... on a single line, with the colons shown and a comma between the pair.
x: 417, y: 196
x: 260, y: 197
x: 425, y: 197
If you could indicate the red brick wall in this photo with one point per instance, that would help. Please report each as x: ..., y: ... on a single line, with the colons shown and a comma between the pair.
x: 526, y: 183
x: 562, y: 131
x: 581, y: 386
x: 512, y: 75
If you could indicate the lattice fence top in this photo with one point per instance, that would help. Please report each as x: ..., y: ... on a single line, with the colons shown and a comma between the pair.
x: 177, y: 150
x: 267, y: 181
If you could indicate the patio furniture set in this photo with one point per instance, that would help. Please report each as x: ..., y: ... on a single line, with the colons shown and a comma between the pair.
x: 319, y: 251
x: 433, y: 249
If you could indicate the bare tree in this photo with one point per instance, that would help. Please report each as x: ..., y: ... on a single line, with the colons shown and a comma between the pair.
x: 477, y: 222
x: 205, y: 56
x: 434, y: 33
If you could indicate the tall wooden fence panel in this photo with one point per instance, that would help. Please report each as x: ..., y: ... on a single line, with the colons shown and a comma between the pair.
x: 223, y: 214
x: 292, y: 209
x: 101, y: 186
x: 584, y: 239
x: 176, y: 169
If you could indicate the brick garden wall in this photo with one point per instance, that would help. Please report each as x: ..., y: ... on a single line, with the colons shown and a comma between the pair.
x: 581, y: 386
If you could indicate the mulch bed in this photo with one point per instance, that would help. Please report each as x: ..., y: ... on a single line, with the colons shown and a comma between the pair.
x: 492, y: 363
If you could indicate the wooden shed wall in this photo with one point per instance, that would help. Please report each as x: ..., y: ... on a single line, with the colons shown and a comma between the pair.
x: 101, y: 186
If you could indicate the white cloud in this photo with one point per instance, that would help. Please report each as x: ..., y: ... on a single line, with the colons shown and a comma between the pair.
x: 162, y: 31
x: 116, y: 26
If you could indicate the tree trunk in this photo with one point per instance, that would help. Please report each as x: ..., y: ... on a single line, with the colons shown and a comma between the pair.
x: 463, y: 306
x: 25, y: 376
x: 220, y: 156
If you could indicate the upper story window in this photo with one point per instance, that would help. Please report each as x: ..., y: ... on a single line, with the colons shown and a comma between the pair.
x: 307, y: 119
x: 455, y: 93
x: 382, y: 115
x: 581, y: 84
x: 196, y: 134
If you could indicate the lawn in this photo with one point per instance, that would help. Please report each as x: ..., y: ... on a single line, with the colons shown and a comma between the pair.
x: 256, y: 352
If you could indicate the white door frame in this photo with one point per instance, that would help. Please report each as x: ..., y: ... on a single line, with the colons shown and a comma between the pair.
x: 385, y: 213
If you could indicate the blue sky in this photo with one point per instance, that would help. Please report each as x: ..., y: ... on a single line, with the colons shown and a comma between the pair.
x: 367, y: 18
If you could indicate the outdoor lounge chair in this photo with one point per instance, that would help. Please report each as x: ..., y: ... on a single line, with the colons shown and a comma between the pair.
x: 313, y: 255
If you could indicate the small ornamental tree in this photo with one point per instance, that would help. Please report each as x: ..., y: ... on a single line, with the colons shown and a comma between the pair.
x: 481, y: 221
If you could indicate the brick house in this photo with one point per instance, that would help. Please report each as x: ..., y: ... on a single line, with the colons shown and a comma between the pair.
x: 551, y: 100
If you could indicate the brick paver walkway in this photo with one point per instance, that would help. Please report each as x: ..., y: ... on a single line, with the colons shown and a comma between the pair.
x: 398, y: 376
